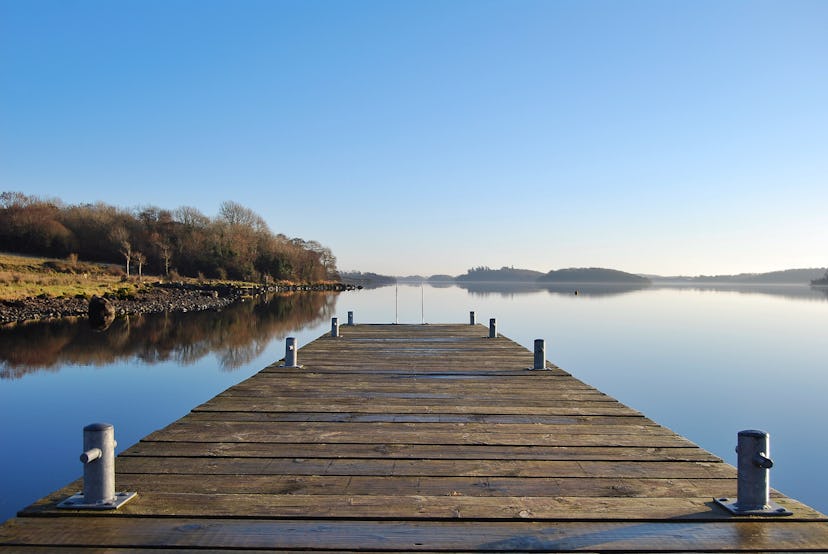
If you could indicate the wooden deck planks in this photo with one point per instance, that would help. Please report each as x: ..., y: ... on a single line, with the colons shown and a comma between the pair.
x: 416, y: 438
x: 412, y: 536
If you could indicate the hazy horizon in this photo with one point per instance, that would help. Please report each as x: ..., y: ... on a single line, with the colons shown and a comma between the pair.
x: 662, y: 275
x: 422, y: 137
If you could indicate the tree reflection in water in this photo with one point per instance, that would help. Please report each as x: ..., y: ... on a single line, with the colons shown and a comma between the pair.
x: 236, y: 335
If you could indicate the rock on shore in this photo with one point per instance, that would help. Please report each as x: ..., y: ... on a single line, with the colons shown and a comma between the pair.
x: 162, y: 297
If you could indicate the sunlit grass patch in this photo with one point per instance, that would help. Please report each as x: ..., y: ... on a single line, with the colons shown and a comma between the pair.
x: 25, y: 276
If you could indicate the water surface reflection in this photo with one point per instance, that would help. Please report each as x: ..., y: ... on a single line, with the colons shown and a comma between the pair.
x: 509, y: 290
x: 235, y: 335
x: 512, y: 289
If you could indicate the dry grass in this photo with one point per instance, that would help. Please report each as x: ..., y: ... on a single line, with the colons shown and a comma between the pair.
x: 24, y: 276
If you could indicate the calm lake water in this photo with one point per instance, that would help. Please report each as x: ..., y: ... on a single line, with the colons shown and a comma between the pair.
x: 703, y: 362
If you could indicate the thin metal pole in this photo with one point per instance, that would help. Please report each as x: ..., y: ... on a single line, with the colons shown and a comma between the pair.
x: 396, y: 303
x: 422, y: 305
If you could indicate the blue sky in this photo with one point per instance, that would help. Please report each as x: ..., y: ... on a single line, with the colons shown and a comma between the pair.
x: 432, y: 136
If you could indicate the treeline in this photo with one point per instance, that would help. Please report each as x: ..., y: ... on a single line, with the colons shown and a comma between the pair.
x: 236, y: 244
x: 366, y: 279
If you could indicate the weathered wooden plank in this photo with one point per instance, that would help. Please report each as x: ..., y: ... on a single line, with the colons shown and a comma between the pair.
x: 415, y: 451
x: 411, y: 371
x: 307, y: 380
x: 460, y: 535
x: 489, y: 419
x: 201, y: 434
x: 422, y: 393
x: 408, y: 433
x: 361, y: 466
x: 419, y: 485
x: 537, y: 507
x: 408, y: 406
x: 350, y: 392
x: 266, y: 431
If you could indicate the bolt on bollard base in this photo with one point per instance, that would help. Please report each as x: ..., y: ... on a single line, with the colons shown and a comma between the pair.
x: 770, y: 509
x: 78, y: 502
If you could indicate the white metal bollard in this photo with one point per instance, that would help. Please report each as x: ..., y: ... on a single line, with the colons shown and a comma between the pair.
x: 472, y: 318
x: 334, y: 326
x: 753, y: 480
x: 98, y: 460
x: 492, y: 328
x: 540, y: 354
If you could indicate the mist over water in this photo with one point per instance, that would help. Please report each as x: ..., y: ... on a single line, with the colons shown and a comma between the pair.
x: 705, y: 362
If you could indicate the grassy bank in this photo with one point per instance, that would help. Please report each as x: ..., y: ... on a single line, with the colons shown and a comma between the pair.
x: 27, y: 277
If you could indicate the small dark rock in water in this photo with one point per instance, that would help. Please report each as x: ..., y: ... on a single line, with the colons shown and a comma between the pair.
x: 101, y: 312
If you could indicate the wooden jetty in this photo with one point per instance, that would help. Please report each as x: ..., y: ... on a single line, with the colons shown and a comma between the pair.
x: 426, y: 438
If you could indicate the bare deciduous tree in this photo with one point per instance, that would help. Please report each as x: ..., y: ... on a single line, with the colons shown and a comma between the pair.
x: 140, y: 259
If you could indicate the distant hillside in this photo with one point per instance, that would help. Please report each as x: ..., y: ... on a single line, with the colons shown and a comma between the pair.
x: 788, y: 276
x: 411, y: 279
x: 592, y: 275
x: 801, y: 276
x: 502, y: 275
x: 821, y: 282
x: 368, y: 280
x: 441, y: 279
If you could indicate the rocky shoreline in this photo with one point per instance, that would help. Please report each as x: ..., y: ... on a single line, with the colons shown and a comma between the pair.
x: 160, y: 297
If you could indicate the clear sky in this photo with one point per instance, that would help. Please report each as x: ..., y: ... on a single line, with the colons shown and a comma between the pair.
x: 670, y: 137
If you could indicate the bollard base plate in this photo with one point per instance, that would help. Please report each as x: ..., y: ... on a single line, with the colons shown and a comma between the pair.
x: 771, y: 510
x: 77, y: 502
x: 291, y: 366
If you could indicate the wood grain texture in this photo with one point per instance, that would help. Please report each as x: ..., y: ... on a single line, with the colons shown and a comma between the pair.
x: 427, y: 438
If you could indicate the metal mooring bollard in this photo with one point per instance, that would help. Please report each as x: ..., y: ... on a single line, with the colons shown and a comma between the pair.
x: 350, y: 318
x: 334, y: 327
x: 753, y: 482
x: 540, y: 354
x: 492, y: 328
x: 472, y: 318
x: 98, y: 472
x: 291, y: 354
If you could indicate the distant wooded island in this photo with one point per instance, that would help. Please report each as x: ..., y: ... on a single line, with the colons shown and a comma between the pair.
x: 595, y: 275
